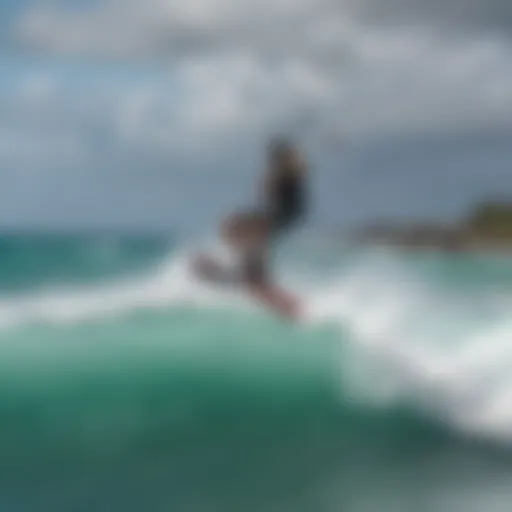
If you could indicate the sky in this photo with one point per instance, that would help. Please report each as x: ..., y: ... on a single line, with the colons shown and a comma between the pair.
x: 153, y: 114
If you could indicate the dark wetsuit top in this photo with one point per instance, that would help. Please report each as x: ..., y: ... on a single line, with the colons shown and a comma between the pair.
x: 287, y: 208
x: 288, y: 202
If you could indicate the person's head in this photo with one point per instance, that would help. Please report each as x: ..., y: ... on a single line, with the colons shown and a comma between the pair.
x: 282, y: 153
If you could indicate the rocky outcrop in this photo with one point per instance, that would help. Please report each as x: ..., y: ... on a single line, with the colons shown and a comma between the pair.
x: 488, y: 226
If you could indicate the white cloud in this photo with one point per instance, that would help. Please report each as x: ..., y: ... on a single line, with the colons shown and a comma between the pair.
x: 171, y: 27
x: 372, y: 67
x: 229, y: 73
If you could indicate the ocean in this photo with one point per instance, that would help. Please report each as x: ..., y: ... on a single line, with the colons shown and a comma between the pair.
x: 127, y: 386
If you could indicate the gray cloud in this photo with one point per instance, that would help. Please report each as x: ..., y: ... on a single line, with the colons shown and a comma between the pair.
x: 450, y: 15
x: 160, y: 28
x: 372, y: 67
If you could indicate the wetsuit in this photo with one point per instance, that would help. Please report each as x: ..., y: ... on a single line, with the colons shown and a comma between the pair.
x: 287, y: 209
x: 288, y: 202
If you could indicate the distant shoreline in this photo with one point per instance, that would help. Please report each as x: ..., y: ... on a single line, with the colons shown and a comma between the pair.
x: 486, y: 228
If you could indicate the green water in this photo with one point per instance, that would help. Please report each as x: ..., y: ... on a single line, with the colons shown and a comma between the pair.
x: 166, y: 406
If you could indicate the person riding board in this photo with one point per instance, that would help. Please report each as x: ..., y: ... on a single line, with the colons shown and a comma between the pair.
x: 252, y: 232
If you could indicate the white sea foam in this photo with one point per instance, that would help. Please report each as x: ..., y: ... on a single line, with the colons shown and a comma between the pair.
x: 403, y: 337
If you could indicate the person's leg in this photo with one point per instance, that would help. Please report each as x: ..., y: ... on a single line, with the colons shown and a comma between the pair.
x: 262, y: 287
x: 251, y: 234
x: 245, y: 229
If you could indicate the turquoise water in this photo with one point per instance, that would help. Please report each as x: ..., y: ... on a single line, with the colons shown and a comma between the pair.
x: 126, y: 385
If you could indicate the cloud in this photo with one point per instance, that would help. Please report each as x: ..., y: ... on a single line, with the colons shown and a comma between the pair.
x: 111, y: 90
x: 451, y: 15
x: 163, y: 28
x: 367, y: 67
